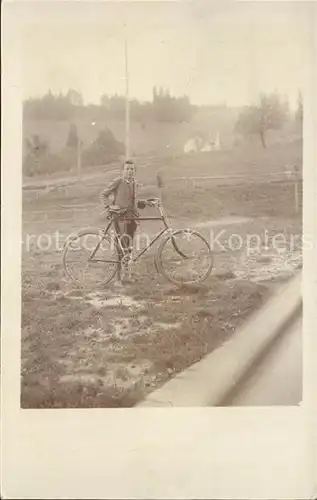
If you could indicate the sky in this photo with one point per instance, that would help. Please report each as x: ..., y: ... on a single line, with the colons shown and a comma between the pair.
x: 211, y: 52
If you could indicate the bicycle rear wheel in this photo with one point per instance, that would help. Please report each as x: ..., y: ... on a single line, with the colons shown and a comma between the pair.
x: 185, y: 257
x: 91, y: 258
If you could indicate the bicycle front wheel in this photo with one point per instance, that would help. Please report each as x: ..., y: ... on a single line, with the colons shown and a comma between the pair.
x: 91, y: 258
x: 185, y: 257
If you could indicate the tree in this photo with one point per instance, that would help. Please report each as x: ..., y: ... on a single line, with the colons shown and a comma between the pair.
x: 48, y: 107
x: 70, y: 106
x: 270, y: 114
x: 299, y: 111
x: 107, y: 140
x: 105, y: 149
x: 74, y: 97
x: 37, y: 150
x: 37, y: 146
x: 72, y: 140
x: 167, y: 108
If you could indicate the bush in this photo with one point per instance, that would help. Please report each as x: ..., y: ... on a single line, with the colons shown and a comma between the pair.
x: 48, y: 164
x: 105, y: 149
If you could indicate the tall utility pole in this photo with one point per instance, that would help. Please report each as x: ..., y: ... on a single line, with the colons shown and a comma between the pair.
x: 253, y: 86
x: 127, y: 106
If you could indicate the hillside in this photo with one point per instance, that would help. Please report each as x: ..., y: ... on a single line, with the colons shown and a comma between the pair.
x: 153, y: 138
x: 146, y: 138
x: 249, y: 161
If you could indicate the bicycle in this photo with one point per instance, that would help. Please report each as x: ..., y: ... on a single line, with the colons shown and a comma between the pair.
x: 170, y: 253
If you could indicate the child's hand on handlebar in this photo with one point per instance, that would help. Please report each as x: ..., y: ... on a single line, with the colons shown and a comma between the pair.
x: 152, y: 202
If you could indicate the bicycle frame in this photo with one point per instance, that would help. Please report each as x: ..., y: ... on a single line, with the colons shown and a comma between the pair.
x: 166, y: 229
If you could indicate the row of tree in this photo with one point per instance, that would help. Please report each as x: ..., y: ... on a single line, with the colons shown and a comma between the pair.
x: 271, y: 113
x: 163, y: 108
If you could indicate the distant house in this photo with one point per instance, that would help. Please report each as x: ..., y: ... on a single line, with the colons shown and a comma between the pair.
x: 198, y: 144
x: 194, y: 145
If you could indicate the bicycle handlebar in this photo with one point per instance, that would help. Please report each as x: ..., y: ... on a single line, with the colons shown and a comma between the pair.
x: 153, y: 201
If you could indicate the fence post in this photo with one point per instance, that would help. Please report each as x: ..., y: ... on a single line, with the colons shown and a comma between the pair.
x: 160, y: 185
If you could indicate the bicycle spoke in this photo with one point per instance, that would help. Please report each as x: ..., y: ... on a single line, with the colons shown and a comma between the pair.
x: 185, y: 257
x: 79, y: 265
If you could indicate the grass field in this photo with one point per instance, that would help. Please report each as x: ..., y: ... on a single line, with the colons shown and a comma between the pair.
x: 109, y: 349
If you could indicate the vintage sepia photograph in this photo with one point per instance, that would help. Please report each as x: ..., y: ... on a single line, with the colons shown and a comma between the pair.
x: 162, y: 207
